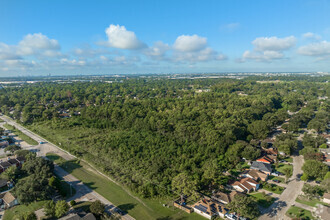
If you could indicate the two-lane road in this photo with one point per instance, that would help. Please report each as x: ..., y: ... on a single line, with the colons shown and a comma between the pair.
x: 278, y: 209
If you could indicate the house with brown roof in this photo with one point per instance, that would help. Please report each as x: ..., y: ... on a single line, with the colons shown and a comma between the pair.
x: 255, y: 174
x: 209, y: 208
x: 224, y: 198
x: 245, y: 185
x: 7, y: 200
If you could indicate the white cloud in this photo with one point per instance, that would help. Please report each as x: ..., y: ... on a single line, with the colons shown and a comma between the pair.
x: 8, y: 52
x: 267, y: 49
x: 119, y: 37
x: 264, y: 56
x: 158, y: 50
x: 33, y: 44
x: 206, y: 54
x: 274, y: 43
x: 187, y: 43
x: 72, y: 62
x: 318, y: 49
x: 310, y: 35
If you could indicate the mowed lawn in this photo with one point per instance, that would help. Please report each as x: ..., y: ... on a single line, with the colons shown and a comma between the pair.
x: 20, y: 209
x: 296, y: 212
x: 117, y: 195
x: 262, y: 200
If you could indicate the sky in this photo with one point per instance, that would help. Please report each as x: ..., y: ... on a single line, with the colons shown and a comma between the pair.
x: 61, y: 37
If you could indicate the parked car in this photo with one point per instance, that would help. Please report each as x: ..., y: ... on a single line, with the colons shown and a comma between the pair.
x: 275, y: 174
x: 276, y: 181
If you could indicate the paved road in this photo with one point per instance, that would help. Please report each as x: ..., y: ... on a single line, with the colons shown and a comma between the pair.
x: 278, y: 209
x: 83, y: 193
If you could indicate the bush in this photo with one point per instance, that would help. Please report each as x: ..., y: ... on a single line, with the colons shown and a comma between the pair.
x: 324, y: 146
x: 304, y: 177
x: 72, y: 203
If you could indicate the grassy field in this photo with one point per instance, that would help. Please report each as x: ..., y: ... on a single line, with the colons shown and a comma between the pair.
x: 117, y: 195
x: 312, y: 202
x: 296, y: 212
x: 24, y: 137
x: 19, y: 209
x: 262, y: 199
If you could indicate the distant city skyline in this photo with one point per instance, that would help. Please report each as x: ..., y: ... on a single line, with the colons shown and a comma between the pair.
x: 124, y: 37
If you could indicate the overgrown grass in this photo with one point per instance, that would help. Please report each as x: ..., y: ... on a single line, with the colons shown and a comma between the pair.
x: 20, y: 134
x: 20, y: 209
x: 262, y: 199
x: 117, y: 195
x: 296, y: 212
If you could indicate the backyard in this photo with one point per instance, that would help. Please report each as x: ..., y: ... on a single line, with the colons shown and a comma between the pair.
x: 19, y: 209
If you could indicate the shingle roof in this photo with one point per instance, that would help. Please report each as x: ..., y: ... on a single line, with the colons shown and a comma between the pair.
x: 261, y: 166
x: 220, y: 196
x: 5, y: 164
x: 8, y: 198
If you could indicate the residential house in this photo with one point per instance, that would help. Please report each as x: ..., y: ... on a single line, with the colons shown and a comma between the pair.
x: 326, y: 198
x: 21, y: 160
x: 271, y: 153
x: 224, y: 198
x: 265, y: 159
x: 5, y: 165
x: 263, y: 167
x: 14, y: 162
x: 245, y: 185
x: 209, y: 208
x: 8, y: 200
x: 255, y: 174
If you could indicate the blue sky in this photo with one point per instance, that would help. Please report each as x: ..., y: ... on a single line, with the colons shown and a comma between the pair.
x: 106, y: 37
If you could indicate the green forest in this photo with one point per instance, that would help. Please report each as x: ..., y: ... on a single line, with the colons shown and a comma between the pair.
x: 145, y: 132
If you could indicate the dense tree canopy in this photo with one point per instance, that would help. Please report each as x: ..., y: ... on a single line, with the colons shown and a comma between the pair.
x: 144, y: 132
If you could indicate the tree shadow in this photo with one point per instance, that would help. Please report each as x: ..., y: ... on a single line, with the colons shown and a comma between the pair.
x: 126, y: 207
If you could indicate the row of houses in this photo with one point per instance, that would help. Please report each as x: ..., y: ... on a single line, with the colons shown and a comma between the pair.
x: 11, y: 161
x: 247, y: 182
